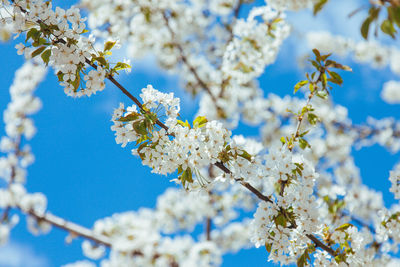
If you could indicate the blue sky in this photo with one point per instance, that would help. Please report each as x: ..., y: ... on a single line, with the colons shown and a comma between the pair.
x: 87, y: 176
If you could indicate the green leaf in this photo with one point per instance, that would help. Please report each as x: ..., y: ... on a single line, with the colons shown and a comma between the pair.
x: 316, y: 65
x: 280, y: 220
x: 283, y: 140
x: 38, y: 51
x: 304, y: 133
x: 302, y: 260
x: 245, y: 155
x: 140, y: 128
x: 311, y: 87
x: 394, y: 14
x: 317, y: 54
x: 324, y: 79
x: 199, y: 122
x: 303, y: 143
x: 143, y: 145
x: 312, y: 118
x: 77, y: 82
x: 180, y: 170
x: 184, y: 124
x: 322, y: 94
x: 387, y: 27
x: 344, y: 227
x: 130, y: 117
x: 335, y: 78
x: 186, y: 176
x: 365, y: 28
x: 101, y: 60
x: 333, y: 64
x: 109, y: 45
x: 268, y: 247
x: 122, y: 66
x: 32, y: 33
x: 60, y: 76
x: 318, y: 6
x: 299, y: 85
x: 324, y: 57
x: 46, y: 56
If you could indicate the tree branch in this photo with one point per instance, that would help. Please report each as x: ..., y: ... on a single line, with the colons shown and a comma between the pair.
x: 72, y: 228
x: 84, y: 232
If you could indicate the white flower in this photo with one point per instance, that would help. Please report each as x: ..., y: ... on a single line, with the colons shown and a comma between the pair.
x: 391, y: 92
x: 92, y: 251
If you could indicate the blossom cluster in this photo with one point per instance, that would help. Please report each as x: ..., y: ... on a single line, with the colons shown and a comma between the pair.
x: 18, y: 156
x: 57, y: 36
x: 146, y: 237
x: 394, y: 178
x: 391, y: 92
x: 385, y: 132
x: 252, y: 49
x: 290, y: 4
x: 388, y: 228
x: 226, y: 63
x: 293, y: 206
x: 6, y: 29
x: 180, y: 146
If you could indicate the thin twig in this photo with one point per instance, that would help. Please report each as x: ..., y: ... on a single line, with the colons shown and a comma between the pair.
x: 187, y: 63
x: 12, y: 176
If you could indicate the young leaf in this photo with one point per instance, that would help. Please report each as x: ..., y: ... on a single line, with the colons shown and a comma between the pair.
x: 38, y: 51
x: 299, y: 85
x: 365, y: 28
x: 335, y: 78
x: 245, y: 155
x: 32, y: 33
x: 344, y: 227
x: 317, y: 54
x: 387, y: 27
x: 394, y: 14
x: 130, y: 117
x: 199, y: 122
x: 101, y: 60
x: 122, y: 66
x: 303, y: 143
x: 283, y: 141
x: 109, y: 45
x: 318, y: 6
x: 268, y: 247
x: 312, y: 118
x: 302, y: 260
x: 46, y: 56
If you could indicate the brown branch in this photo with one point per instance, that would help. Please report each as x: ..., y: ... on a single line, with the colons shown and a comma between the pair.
x: 78, y: 230
x: 208, y: 228
x: 211, y: 202
x: 231, y: 35
x: 236, y: 13
x: 320, y: 244
x: 126, y: 92
x: 71, y: 227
